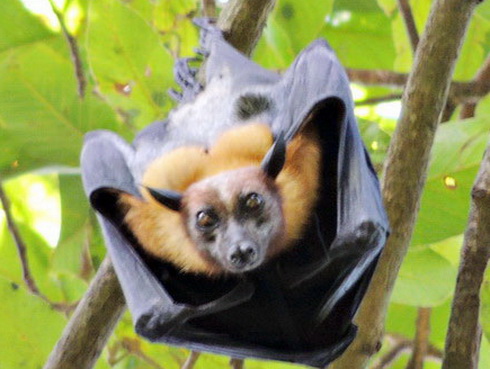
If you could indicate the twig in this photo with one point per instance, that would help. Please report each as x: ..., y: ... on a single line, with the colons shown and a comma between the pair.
x: 209, y: 8
x: 396, y: 351
x: 407, y: 15
x: 132, y: 346
x: 191, y: 360
x: 421, y: 341
x: 74, y: 52
x: 380, y: 99
x: 464, y: 332
x: 21, y: 247
x: 31, y: 285
x: 406, y: 166
x: 236, y: 363
x: 483, y: 75
x: 460, y: 92
x: 402, y: 345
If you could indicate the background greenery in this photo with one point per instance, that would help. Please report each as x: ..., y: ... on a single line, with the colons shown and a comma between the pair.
x: 128, y: 48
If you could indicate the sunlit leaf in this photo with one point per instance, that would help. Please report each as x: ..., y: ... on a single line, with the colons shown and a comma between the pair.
x: 132, y: 68
x: 425, y: 279
x: 456, y: 157
x: 30, y: 328
x: 75, y: 225
x: 360, y: 34
x: 18, y: 27
x: 41, y: 116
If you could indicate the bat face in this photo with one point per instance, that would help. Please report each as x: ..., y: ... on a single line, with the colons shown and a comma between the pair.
x: 234, y: 218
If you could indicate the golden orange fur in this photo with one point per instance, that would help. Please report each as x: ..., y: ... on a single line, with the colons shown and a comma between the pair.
x: 161, y: 231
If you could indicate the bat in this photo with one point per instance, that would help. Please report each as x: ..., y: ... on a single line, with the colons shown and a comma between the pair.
x: 250, y: 221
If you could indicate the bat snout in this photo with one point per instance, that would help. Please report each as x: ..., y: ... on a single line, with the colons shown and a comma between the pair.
x: 243, y: 256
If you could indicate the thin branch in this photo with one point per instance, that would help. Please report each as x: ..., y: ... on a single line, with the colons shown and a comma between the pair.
x: 464, y: 332
x: 406, y: 166
x: 400, y: 346
x: 74, y: 52
x: 132, y: 346
x: 209, y: 8
x: 460, y: 92
x: 407, y: 15
x: 483, y: 75
x: 21, y: 247
x: 394, y: 353
x: 191, y: 360
x: 379, y: 99
x: 236, y: 363
x: 421, y: 341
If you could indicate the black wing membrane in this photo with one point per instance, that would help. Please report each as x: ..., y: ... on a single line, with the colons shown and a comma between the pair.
x: 299, y: 307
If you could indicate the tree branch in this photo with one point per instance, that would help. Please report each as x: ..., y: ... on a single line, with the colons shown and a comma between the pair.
x: 407, y: 15
x: 191, y: 360
x: 243, y: 22
x: 464, y: 332
x: 482, y: 76
x: 460, y: 92
x: 405, y: 168
x: 100, y: 309
x: 21, y: 247
x: 92, y: 323
x: 421, y: 341
x: 236, y: 363
x: 208, y: 8
x: 380, y: 99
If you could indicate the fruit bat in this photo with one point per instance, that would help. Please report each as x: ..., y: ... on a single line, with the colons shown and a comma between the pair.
x: 250, y: 221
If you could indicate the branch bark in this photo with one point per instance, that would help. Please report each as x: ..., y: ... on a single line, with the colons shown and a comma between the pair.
x: 460, y: 92
x: 464, y: 332
x: 421, y: 341
x: 21, y: 247
x: 407, y: 15
x: 243, y: 22
x: 91, y: 324
x: 482, y: 76
x: 74, y: 52
x: 405, y: 168
x: 97, y: 314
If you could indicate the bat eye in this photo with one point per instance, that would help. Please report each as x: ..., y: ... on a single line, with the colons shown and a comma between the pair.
x: 207, y: 220
x: 254, y: 201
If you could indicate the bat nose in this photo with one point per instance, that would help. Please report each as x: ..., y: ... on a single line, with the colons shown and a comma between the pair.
x: 243, y: 254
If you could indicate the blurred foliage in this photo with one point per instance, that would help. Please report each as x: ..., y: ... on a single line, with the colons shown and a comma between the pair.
x: 128, y: 48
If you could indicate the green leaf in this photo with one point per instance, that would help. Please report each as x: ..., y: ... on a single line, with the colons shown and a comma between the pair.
x: 286, y: 33
x: 75, y: 225
x: 18, y: 26
x: 457, y: 154
x: 474, y: 50
x: 132, y: 69
x: 42, y: 119
x: 30, y: 328
x: 426, y: 279
x: 360, y: 34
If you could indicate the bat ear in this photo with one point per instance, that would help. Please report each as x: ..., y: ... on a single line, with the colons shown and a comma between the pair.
x: 273, y: 161
x: 171, y: 199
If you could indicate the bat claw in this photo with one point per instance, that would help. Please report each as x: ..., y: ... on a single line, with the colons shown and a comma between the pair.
x: 177, y: 96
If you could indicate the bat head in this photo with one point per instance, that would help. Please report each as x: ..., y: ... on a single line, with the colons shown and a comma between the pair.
x: 234, y: 218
